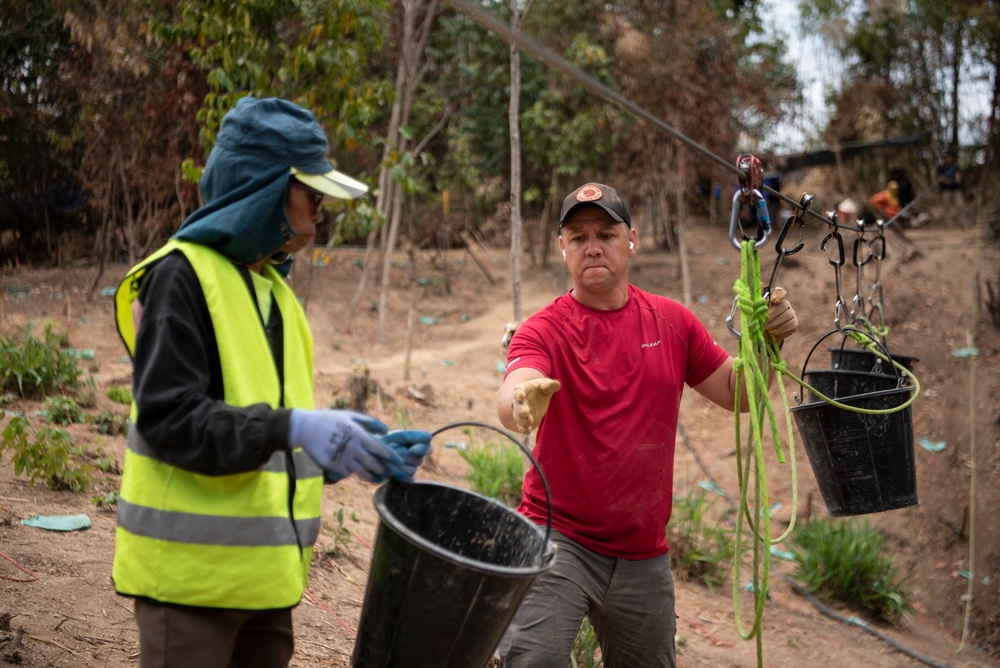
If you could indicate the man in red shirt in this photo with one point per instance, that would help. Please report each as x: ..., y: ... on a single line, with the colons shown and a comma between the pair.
x: 606, y: 365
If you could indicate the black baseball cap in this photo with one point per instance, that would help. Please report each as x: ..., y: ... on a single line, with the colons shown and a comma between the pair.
x: 603, y: 196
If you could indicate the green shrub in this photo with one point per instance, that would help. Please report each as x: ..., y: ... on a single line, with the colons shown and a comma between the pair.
x: 844, y: 561
x: 86, y: 395
x: 109, y: 423
x: 120, y: 395
x: 62, y: 410
x: 699, y: 546
x: 106, y: 500
x: 36, y: 367
x: 496, y: 470
x: 46, y: 454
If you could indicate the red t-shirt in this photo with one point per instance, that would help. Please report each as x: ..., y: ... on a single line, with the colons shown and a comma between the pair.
x: 606, y: 443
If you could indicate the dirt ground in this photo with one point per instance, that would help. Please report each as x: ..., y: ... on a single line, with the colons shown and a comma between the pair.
x: 71, y: 616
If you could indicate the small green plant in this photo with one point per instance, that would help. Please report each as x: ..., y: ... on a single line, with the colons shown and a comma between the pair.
x: 86, y: 396
x: 844, y: 561
x: 586, y: 648
x: 699, y: 546
x: 107, y: 500
x: 341, y: 533
x: 36, y: 367
x: 108, y: 423
x: 105, y: 462
x: 45, y: 454
x: 120, y: 395
x: 62, y: 410
x: 496, y: 470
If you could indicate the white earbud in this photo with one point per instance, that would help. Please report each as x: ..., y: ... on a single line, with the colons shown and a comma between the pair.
x: 564, y: 254
x: 631, y: 246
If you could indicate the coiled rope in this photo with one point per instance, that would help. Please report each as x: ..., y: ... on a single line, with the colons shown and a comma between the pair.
x: 757, y: 357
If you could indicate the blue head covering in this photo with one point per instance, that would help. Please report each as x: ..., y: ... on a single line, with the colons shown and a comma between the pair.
x: 245, y: 180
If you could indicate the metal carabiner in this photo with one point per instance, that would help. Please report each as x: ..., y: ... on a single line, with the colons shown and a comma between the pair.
x: 796, y: 217
x: 836, y: 263
x: 858, y: 308
x: 736, y: 234
x: 729, y: 321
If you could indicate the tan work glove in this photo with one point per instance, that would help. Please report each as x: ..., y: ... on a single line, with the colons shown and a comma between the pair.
x: 781, y: 319
x: 531, y: 400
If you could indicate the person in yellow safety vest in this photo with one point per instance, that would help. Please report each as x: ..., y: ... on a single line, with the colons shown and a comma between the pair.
x: 225, y: 455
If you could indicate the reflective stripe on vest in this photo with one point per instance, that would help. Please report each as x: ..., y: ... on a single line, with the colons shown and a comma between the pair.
x: 223, y: 541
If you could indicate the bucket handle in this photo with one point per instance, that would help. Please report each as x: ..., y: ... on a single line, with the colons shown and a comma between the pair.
x: 899, y: 378
x: 527, y: 451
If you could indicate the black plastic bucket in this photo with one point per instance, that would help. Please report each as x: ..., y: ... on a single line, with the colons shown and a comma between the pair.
x: 837, y: 384
x: 862, y: 463
x: 449, y: 571
x: 860, y: 359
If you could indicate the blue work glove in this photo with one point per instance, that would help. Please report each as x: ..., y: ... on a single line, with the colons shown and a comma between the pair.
x: 342, y: 443
x: 411, y: 446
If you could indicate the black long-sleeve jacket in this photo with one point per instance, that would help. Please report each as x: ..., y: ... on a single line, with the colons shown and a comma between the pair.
x: 177, y: 382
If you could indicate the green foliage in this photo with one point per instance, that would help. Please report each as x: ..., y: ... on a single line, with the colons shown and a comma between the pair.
x: 120, y: 395
x: 109, y: 423
x: 62, y: 410
x: 312, y: 52
x: 699, y: 546
x: 569, y: 129
x: 341, y: 533
x: 586, y: 649
x: 36, y: 367
x: 105, y: 462
x: 46, y: 454
x: 106, y: 500
x: 496, y: 469
x: 845, y: 561
x: 86, y: 395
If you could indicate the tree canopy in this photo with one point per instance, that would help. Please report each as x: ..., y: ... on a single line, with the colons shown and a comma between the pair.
x: 117, y: 102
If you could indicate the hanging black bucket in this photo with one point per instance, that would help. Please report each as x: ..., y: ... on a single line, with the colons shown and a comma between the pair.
x: 863, y: 463
x: 449, y: 570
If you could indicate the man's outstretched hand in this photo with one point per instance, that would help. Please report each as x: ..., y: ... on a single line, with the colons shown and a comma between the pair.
x: 531, y: 400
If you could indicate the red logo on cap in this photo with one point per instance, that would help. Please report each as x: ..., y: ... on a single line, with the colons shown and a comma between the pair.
x: 589, y: 194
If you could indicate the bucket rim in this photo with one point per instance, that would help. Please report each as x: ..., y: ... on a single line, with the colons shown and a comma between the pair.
x: 854, y: 398
x: 865, y: 351
x: 545, y: 558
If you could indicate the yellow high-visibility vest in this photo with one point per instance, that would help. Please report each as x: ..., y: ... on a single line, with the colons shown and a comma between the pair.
x: 240, y: 541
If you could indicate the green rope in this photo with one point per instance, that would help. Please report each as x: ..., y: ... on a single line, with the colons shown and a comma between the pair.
x: 753, y: 364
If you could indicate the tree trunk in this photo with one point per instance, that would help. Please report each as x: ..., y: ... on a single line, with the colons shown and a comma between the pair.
x: 956, y: 73
x: 408, y: 76
x: 515, y: 166
x: 682, y: 223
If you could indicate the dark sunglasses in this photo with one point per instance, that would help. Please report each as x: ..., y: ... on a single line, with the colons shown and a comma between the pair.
x: 315, y: 196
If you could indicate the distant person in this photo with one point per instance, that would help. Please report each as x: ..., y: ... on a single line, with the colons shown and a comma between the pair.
x: 847, y: 211
x: 886, y: 205
x: 886, y: 201
x: 949, y: 177
x: 225, y: 454
x: 600, y: 373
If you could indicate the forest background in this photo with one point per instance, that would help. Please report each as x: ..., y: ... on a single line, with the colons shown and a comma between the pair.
x: 109, y: 107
